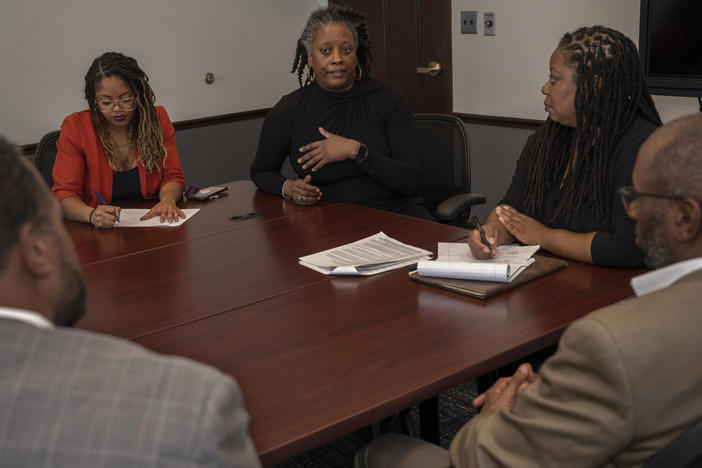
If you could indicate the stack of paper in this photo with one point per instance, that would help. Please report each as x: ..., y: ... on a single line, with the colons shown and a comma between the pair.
x: 368, y: 256
x: 455, y: 260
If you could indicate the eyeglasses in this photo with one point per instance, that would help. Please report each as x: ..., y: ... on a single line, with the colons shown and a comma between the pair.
x: 628, y: 195
x: 105, y: 105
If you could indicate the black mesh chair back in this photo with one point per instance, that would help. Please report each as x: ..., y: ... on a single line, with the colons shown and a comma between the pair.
x: 445, y: 157
x: 46, y: 155
x: 444, y: 151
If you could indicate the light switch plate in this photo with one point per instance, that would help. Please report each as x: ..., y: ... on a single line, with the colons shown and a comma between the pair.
x: 489, y: 24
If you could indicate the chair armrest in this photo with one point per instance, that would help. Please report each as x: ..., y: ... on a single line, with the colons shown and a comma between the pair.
x: 453, y: 207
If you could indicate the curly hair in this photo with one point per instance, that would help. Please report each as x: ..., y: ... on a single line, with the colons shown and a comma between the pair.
x: 145, y: 128
x: 353, y: 19
x: 610, y: 93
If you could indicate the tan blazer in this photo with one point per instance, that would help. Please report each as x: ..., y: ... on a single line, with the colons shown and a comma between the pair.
x: 626, y: 382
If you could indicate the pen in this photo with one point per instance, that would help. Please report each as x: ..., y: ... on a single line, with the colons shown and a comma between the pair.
x: 483, y: 238
x: 102, y: 200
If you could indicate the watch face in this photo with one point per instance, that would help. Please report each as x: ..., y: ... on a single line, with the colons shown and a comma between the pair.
x: 361, y: 153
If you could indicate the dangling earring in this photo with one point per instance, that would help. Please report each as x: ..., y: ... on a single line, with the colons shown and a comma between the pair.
x: 358, y: 73
x: 310, y: 74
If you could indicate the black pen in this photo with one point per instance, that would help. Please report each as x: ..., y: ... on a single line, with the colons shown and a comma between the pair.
x: 483, y: 238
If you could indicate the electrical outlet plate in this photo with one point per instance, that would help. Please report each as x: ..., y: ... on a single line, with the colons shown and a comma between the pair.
x: 469, y: 22
x: 489, y: 24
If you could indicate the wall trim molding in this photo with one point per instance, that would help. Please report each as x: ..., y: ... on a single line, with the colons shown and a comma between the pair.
x: 192, y: 123
x: 514, y: 122
x: 219, y: 119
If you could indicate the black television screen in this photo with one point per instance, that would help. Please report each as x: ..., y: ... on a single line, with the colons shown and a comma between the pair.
x: 670, y: 43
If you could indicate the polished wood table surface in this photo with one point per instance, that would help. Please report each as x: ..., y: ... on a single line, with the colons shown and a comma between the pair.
x: 317, y: 356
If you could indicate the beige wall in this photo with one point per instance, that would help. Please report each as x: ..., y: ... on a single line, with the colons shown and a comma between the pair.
x: 503, y: 75
x: 47, y: 47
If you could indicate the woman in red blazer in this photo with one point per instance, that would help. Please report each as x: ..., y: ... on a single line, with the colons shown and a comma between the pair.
x: 123, y: 148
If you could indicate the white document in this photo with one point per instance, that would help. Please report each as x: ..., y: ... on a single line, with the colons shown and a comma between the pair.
x: 131, y: 217
x: 374, y: 254
x: 470, y: 271
x: 454, y: 260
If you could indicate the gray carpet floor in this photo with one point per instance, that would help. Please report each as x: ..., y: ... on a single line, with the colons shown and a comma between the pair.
x: 454, y: 410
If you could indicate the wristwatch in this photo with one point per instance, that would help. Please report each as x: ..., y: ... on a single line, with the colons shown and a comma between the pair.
x: 361, y: 154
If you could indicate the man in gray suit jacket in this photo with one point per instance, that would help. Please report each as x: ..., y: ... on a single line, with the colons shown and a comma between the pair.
x: 626, y: 380
x: 72, y: 398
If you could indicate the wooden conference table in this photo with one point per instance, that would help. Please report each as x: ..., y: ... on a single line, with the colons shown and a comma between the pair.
x: 316, y: 356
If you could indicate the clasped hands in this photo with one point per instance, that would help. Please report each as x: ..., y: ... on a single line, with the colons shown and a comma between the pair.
x: 503, y: 395
x: 333, y: 148
x: 524, y: 228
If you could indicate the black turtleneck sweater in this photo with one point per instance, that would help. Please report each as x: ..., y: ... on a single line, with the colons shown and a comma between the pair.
x: 374, y: 113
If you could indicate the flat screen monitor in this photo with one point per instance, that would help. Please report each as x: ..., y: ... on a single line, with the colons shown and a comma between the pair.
x: 670, y: 43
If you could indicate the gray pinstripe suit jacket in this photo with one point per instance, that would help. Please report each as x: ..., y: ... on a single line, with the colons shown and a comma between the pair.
x: 71, y: 398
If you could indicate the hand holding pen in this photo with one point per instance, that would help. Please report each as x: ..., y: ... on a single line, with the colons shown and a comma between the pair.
x: 104, y: 216
x: 482, y: 240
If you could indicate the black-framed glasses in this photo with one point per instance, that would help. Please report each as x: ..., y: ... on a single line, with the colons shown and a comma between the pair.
x: 628, y: 195
x: 125, y: 105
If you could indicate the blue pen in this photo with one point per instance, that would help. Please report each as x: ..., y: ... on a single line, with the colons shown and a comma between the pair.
x: 104, y: 202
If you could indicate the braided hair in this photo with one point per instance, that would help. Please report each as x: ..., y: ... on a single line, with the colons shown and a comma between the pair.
x: 144, y: 128
x: 349, y: 17
x: 610, y: 93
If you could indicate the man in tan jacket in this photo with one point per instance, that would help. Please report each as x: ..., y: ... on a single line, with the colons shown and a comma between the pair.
x: 626, y: 380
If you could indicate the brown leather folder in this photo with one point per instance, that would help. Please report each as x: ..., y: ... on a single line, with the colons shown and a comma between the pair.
x: 484, y: 289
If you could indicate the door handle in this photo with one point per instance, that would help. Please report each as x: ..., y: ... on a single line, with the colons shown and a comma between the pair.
x: 433, y: 69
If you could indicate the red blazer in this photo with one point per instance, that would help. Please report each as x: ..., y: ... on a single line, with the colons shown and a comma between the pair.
x: 81, y: 165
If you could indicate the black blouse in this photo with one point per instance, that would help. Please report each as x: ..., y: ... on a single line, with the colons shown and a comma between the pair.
x: 372, y: 112
x: 613, y: 244
x: 126, y: 187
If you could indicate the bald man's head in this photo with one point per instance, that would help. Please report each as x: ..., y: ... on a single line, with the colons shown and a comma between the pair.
x: 669, y: 164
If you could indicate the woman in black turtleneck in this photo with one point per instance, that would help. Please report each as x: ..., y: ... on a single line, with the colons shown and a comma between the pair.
x: 348, y: 136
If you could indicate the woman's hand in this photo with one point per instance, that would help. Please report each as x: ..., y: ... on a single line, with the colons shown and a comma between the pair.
x: 333, y: 148
x: 478, y: 248
x: 104, y: 216
x: 301, y: 192
x: 527, y: 230
x: 167, y: 209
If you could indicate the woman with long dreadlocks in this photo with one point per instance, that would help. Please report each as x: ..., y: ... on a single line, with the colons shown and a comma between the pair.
x: 563, y: 194
x: 347, y: 136
x: 123, y: 148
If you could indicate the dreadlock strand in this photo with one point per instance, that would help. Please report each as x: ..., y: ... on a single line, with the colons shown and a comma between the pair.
x: 150, y: 142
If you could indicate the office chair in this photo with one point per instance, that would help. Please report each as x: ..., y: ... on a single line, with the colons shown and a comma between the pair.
x: 445, y: 167
x: 46, y: 155
x: 684, y: 452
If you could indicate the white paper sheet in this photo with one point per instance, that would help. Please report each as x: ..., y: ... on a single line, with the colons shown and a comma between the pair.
x: 460, y: 252
x: 461, y: 270
x: 130, y: 217
x: 368, y: 256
